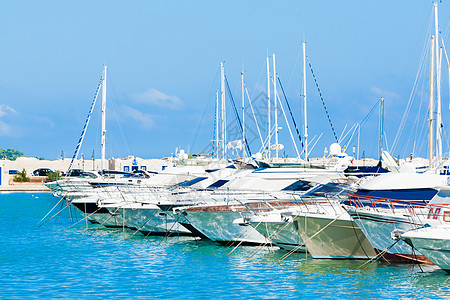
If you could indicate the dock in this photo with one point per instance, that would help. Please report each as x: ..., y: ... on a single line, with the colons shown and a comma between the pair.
x: 24, y: 188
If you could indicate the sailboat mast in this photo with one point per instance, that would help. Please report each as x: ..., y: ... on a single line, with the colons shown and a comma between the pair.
x: 223, y: 116
x: 243, y: 115
x: 359, y: 134
x: 275, y: 105
x: 268, y: 109
x: 103, y: 119
x: 216, y: 142
x: 438, y: 85
x: 381, y: 126
x: 430, y: 135
x: 305, y: 120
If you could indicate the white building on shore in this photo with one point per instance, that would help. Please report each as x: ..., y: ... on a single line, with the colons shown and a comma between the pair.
x: 10, y: 167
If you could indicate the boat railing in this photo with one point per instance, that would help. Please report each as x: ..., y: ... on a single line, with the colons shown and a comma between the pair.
x: 421, y: 211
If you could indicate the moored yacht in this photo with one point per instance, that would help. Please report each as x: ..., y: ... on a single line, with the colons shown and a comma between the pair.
x: 396, y: 202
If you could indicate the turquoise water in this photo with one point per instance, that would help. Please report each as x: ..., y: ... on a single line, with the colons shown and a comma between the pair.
x: 78, y: 263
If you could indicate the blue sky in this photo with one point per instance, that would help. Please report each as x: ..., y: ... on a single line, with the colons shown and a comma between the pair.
x: 163, y: 69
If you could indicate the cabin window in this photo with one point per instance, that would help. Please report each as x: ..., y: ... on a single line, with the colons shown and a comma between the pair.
x: 126, y: 169
x: 144, y: 168
x: 218, y: 184
x: 193, y: 181
x: 298, y: 186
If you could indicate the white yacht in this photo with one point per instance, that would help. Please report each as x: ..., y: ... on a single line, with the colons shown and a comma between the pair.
x: 396, y: 202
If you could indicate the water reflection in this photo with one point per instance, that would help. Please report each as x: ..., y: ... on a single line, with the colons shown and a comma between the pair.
x: 80, y: 262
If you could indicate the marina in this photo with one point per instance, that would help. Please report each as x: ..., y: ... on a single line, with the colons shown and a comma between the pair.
x: 296, y: 191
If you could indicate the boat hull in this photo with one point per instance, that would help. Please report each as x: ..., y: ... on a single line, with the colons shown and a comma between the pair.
x: 378, y: 227
x: 331, y: 238
x: 219, y: 226
x: 282, y: 232
x: 99, y: 215
x: 436, y: 247
x: 150, y: 220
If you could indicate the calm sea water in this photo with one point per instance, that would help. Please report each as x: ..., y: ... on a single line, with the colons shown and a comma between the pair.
x: 83, y: 263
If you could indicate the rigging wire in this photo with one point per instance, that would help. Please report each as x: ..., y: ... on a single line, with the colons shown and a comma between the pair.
x: 195, y: 134
x: 420, y: 70
x: 277, y: 96
x: 249, y: 153
x: 425, y: 53
x: 86, y: 123
x: 321, y: 98
x: 293, y: 68
x: 111, y: 92
x: 254, y: 116
x: 290, y: 111
x: 363, y: 122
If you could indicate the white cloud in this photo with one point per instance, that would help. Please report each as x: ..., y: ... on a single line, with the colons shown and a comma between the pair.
x: 45, y: 120
x: 385, y: 94
x: 5, y: 129
x: 145, y: 120
x: 5, y: 109
x: 155, y: 97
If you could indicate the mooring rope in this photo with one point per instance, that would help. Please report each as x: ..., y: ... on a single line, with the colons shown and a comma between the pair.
x: 85, y: 218
x: 145, y: 223
x: 111, y: 214
x: 170, y: 229
x: 54, y: 215
x: 308, y: 239
x: 270, y: 237
x: 379, y: 255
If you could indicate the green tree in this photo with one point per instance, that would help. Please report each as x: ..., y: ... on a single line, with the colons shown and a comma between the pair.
x: 53, y: 176
x: 21, y: 177
x: 10, y: 154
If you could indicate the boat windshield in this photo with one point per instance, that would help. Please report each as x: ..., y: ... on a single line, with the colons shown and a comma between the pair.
x: 192, y: 182
x: 298, y: 186
x: 327, y: 190
x: 88, y: 175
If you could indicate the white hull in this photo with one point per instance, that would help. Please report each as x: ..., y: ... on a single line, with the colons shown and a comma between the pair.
x: 97, y: 215
x: 219, y: 226
x: 433, y: 242
x: 333, y: 237
x: 378, y: 227
x: 280, y: 230
x: 150, y: 220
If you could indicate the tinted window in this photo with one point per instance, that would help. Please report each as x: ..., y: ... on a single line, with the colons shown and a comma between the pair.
x: 193, y: 181
x: 298, y: 186
x: 218, y: 183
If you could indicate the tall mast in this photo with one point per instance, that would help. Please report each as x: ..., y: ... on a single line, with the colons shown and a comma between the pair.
x: 216, y: 142
x: 268, y: 109
x: 223, y: 116
x: 438, y: 85
x: 103, y: 119
x: 359, y: 134
x: 305, y: 120
x: 381, y: 125
x: 430, y: 135
x: 275, y: 105
x: 439, y: 109
x: 243, y: 114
